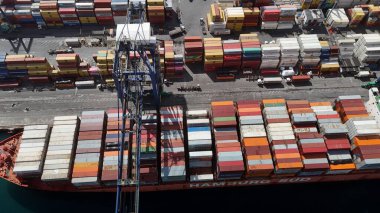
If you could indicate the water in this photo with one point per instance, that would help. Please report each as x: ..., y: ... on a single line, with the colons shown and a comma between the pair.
x: 322, y: 197
x: 357, y: 196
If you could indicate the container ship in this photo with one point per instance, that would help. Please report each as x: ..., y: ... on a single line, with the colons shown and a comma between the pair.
x: 242, y: 143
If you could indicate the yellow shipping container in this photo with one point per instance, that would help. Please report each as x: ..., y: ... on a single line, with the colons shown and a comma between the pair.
x: 83, y: 73
x: 38, y: 73
x: 155, y: 2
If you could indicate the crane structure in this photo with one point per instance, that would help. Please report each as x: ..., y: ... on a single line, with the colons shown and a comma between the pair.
x: 136, y: 77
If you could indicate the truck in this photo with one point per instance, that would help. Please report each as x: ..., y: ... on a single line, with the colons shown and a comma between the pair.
x: 270, y: 80
x: 177, y: 31
x: 60, y: 51
x: 369, y: 85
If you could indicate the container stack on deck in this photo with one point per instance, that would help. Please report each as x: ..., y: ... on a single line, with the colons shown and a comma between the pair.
x: 373, y: 16
x: 199, y: 146
x: 312, y: 145
x: 213, y: 54
x: 312, y: 17
x: 148, y: 150
x: 251, y: 49
x: 367, y: 48
x: 234, y: 18
x: 23, y: 16
x: 335, y: 134
x: 113, y: 137
x: 231, y: 56
x: 193, y: 49
x: 310, y: 52
x: 286, y: 156
x: 32, y: 151
x: 290, y: 51
x: 229, y: 158
x: 251, y: 16
x: 85, y: 11
x: 89, y: 155
x: 156, y: 11
x: 60, y: 153
x: 49, y: 11
x: 68, y: 64
x: 173, y: 165
x: 269, y: 17
x: 257, y: 155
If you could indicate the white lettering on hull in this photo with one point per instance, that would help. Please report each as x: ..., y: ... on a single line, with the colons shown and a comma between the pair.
x: 248, y: 182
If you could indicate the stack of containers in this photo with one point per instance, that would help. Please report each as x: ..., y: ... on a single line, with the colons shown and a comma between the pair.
x: 162, y: 57
x: 260, y: 3
x: 110, y: 60
x: 346, y: 48
x: 101, y: 62
x: 356, y: 16
x: 193, y: 49
x: 367, y: 48
x: 234, y: 18
x: 89, y: 154
x: 330, y: 63
x: 290, y: 51
x: 31, y: 154
x: 270, y: 56
x: 335, y: 136
x: 49, y: 11
x: 173, y: 165
x: 23, y: 16
x: 36, y: 13
x: 286, y: 156
x: 213, y: 54
x: 251, y: 16
x: 373, y: 16
x: 173, y: 63
x: 16, y: 65
x: 364, y: 134
x: 215, y: 19
x: 287, y: 15
x: 60, y: 152
x: 68, y: 13
x: 3, y: 65
x: 257, y: 155
x: 344, y: 3
x: 38, y: 66
x: 156, y: 11
x: 270, y: 16
x: 199, y: 145
x: 227, y: 3
x: 119, y: 11
x: 114, y: 125
x: 232, y: 54
x: 337, y: 18
x: 85, y: 11
x: 104, y: 15
x: 148, y: 149
x: 312, y: 145
x: 313, y: 17
x: 310, y: 52
x: 229, y: 158
x: 113, y: 136
x: 350, y: 106
x: 68, y: 64
x: 251, y: 48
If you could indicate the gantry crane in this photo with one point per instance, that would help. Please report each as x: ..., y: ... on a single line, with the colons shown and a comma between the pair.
x: 133, y: 73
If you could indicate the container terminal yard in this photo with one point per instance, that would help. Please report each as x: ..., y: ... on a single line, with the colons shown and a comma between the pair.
x: 158, y: 95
